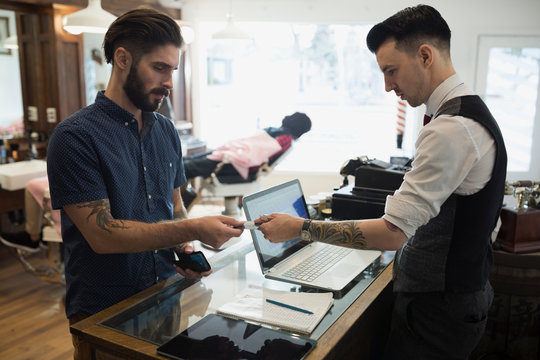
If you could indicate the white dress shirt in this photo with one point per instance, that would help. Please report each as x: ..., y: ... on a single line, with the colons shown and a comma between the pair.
x: 454, y: 154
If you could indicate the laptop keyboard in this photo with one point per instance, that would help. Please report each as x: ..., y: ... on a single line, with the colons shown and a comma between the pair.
x: 312, y: 267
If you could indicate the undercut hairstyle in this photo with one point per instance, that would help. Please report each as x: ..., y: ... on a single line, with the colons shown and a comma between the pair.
x: 410, y: 28
x: 140, y: 31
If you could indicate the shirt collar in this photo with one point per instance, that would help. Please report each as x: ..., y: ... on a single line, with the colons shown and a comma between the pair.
x: 442, y: 93
x: 120, y: 114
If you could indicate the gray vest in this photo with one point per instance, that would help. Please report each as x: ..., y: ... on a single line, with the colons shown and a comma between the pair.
x: 452, y: 252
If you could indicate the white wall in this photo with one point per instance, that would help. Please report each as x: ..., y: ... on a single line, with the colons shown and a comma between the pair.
x: 467, y: 20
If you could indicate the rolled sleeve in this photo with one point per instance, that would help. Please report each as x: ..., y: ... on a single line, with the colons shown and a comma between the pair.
x: 445, y: 155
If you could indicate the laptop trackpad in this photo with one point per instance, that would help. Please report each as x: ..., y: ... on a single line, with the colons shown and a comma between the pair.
x: 342, y: 270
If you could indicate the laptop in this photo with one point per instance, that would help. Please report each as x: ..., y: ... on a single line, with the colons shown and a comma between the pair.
x: 312, y: 264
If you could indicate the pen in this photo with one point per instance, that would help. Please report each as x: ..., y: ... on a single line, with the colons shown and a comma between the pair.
x: 288, y: 306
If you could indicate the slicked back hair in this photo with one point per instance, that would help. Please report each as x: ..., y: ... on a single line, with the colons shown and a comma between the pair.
x: 140, y: 31
x: 410, y: 28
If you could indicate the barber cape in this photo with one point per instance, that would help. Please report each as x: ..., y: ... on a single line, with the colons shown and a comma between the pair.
x: 247, y: 152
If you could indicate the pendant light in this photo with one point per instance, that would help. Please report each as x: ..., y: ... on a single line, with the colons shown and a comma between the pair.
x: 92, y: 19
x: 231, y: 31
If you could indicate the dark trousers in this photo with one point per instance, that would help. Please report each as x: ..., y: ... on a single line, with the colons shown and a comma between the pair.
x: 437, y: 325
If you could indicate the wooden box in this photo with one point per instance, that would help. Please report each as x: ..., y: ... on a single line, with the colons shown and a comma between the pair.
x: 520, y: 230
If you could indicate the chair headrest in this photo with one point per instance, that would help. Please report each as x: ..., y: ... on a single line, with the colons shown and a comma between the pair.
x: 297, y: 124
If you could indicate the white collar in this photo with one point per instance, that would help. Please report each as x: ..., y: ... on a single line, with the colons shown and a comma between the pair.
x: 442, y: 93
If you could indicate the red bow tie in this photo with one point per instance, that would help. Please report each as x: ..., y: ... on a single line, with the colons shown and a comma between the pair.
x: 427, y: 119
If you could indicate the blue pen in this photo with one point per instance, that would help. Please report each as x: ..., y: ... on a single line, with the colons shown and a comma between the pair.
x: 288, y: 306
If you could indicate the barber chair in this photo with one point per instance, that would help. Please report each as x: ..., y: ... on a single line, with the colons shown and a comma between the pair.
x: 232, y: 188
x: 54, y: 272
x: 52, y: 236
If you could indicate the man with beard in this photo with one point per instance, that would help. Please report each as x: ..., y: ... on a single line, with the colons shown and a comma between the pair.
x: 115, y: 170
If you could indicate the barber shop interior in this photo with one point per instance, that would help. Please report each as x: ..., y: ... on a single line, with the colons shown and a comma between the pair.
x: 257, y: 179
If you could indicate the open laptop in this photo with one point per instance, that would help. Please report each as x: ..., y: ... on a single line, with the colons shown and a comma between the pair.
x: 337, y: 265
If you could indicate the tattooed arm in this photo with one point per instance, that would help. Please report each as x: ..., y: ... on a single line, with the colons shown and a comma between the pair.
x: 105, y: 234
x: 362, y: 234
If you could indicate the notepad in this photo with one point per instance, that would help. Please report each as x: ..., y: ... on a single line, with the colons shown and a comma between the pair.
x: 251, y: 305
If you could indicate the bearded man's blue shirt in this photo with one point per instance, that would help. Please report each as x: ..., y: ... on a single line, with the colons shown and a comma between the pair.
x: 98, y: 153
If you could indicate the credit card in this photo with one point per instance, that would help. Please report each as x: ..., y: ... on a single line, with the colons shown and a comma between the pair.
x: 248, y: 225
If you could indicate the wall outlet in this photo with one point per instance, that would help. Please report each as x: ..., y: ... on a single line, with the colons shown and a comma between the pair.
x: 32, y: 113
x: 51, y: 115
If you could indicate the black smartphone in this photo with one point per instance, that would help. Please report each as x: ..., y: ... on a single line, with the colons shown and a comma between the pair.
x: 195, y: 261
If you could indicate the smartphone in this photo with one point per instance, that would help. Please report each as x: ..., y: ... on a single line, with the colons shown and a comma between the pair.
x: 195, y: 261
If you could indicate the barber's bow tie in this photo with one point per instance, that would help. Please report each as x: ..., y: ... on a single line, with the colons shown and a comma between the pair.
x: 427, y: 119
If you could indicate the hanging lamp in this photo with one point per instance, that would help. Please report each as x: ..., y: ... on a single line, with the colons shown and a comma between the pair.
x: 231, y: 31
x: 92, y: 19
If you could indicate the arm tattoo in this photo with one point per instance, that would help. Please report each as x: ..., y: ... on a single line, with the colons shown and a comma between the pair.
x: 102, y: 210
x: 344, y: 233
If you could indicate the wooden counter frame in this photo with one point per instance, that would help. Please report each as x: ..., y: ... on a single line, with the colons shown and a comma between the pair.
x: 360, y: 332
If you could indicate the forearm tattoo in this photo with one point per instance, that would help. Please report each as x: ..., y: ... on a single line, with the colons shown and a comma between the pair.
x: 344, y: 233
x: 102, y: 210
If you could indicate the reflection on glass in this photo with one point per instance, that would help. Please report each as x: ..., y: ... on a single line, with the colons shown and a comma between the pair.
x: 155, y: 319
x: 511, y: 95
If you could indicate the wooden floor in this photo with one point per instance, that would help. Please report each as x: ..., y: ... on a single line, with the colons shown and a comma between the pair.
x: 33, y: 324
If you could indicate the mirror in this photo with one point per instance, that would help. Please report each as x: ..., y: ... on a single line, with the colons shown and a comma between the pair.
x: 96, y: 70
x: 11, y: 102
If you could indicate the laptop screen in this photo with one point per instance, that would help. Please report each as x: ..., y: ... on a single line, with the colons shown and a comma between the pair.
x: 284, y: 198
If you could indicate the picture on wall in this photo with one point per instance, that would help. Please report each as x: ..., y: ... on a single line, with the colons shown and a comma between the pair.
x: 4, y: 34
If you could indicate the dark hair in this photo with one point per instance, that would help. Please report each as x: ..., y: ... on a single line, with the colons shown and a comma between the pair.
x: 296, y: 124
x: 140, y: 31
x: 412, y: 27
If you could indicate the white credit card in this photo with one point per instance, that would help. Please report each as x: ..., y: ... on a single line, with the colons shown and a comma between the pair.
x: 250, y: 225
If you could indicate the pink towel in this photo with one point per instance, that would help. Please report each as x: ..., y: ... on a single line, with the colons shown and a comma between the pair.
x: 247, y: 152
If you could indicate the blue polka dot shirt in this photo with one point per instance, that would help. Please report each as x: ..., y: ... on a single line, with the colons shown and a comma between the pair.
x: 97, y: 153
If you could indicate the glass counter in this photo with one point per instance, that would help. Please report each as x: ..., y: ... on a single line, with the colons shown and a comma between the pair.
x: 183, y: 302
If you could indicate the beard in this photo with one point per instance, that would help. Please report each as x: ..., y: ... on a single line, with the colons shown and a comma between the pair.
x: 134, y: 89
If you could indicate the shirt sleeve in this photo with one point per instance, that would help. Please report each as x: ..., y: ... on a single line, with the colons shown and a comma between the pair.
x: 446, y: 151
x: 73, y: 168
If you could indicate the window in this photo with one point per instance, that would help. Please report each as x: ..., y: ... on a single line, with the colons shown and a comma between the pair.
x: 325, y: 71
x: 508, y: 80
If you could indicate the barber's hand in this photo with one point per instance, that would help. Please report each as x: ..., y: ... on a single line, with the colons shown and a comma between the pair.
x: 188, y: 273
x: 216, y: 230
x: 278, y: 227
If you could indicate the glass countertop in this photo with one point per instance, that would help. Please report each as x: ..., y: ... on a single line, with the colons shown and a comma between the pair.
x: 182, y: 302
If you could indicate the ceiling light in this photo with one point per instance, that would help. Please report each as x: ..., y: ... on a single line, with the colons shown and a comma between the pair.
x: 231, y: 31
x: 92, y: 19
